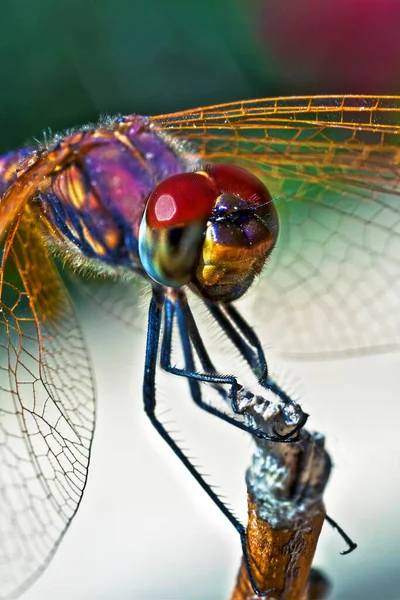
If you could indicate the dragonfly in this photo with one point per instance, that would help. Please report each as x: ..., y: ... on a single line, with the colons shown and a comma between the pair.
x: 295, y: 198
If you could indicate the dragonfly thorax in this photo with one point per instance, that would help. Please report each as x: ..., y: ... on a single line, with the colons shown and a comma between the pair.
x: 93, y: 202
x: 211, y: 230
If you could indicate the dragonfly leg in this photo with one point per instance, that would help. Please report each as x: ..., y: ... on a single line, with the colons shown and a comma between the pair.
x: 228, y: 315
x: 248, y: 344
x: 178, y: 308
x: 236, y: 329
x: 232, y: 322
x: 257, y: 362
x: 149, y: 398
x: 351, y: 545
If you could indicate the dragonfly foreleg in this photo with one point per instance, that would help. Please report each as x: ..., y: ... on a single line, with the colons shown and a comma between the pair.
x: 149, y: 398
x: 177, y: 307
x: 229, y: 320
x: 235, y: 326
x: 246, y: 341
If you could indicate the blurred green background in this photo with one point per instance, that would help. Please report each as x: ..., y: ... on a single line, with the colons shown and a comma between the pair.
x: 64, y: 63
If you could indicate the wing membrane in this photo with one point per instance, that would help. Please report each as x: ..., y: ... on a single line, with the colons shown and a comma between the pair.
x: 333, y: 167
x: 46, y: 410
x: 122, y: 300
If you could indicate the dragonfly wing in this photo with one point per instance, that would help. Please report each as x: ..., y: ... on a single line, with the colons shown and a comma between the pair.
x: 47, y: 409
x: 333, y: 166
x: 11, y: 204
x: 122, y: 300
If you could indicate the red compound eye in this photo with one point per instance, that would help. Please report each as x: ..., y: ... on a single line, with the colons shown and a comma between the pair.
x: 180, y: 200
x: 231, y: 179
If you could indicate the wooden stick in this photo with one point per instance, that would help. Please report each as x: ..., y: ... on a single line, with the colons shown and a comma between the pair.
x: 285, y: 484
x: 280, y: 558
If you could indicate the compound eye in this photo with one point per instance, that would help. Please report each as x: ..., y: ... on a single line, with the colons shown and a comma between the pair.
x: 172, y: 229
x: 230, y: 179
x: 180, y: 200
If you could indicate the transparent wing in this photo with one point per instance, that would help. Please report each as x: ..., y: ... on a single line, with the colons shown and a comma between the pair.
x: 46, y: 409
x: 333, y: 166
x: 125, y: 301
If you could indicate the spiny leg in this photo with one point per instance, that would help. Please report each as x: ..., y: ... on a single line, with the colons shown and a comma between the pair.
x: 149, y: 399
x: 251, y: 337
x: 172, y: 307
x: 194, y: 334
x: 243, y: 336
x: 258, y: 364
x: 217, y: 311
x: 233, y: 335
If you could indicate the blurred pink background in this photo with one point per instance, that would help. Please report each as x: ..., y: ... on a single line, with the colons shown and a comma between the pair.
x: 348, y: 46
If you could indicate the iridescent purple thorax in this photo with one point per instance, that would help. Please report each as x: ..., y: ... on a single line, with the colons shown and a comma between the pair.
x: 96, y: 200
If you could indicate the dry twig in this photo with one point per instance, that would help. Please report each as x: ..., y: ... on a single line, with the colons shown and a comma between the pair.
x: 285, y: 484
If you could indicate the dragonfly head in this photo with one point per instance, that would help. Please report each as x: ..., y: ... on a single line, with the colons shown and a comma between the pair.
x: 211, y: 229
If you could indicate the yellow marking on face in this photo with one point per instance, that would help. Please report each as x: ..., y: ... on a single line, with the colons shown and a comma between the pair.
x: 228, y: 265
x: 224, y: 273
x: 214, y: 253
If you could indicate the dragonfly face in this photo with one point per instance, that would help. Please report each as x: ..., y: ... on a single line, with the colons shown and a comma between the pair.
x: 331, y: 165
x: 212, y: 229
